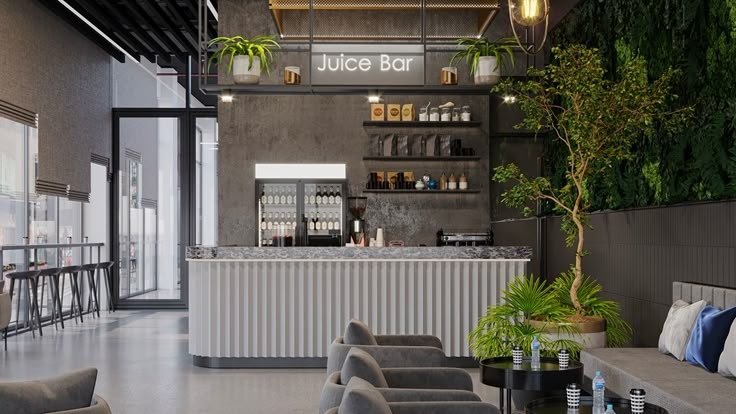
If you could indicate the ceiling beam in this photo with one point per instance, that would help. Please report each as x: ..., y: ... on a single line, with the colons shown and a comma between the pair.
x: 160, y: 36
x: 175, y: 31
x: 127, y: 20
x: 110, y: 26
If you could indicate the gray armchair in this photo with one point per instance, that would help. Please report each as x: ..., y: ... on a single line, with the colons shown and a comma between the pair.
x: 397, y: 384
x: 72, y: 393
x: 5, y: 309
x: 98, y: 406
x: 361, y: 397
x: 388, y: 350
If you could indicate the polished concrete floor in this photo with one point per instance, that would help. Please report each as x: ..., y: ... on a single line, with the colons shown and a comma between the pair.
x: 144, y: 367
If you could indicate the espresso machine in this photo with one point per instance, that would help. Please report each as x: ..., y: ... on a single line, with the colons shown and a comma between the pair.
x: 358, y: 232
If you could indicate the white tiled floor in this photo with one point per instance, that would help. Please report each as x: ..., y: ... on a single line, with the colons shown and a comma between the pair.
x: 144, y: 367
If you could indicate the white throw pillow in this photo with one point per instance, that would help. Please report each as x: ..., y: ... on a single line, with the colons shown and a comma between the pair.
x: 727, y: 362
x: 678, y: 326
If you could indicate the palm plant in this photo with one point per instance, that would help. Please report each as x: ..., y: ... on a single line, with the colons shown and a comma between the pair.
x: 618, y: 331
x: 509, y: 324
x: 477, y: 48
x: 259, y: 46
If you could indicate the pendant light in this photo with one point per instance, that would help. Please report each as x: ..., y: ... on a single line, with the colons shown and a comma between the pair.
x: 529, y: 13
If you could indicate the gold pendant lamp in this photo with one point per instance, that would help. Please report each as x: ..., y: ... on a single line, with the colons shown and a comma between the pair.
x: 529, y: 13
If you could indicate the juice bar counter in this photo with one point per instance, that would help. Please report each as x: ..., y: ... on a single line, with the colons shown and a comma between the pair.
x: 282, y: 307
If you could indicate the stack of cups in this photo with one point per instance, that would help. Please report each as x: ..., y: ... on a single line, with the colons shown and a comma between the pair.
x: 573, y: 396
x: 637, y: 396
x: 517, y: 355
x: 379, y: 237
x: 564, y: 358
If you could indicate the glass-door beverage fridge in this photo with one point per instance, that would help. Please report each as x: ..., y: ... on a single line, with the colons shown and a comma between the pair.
x: 300, y: 212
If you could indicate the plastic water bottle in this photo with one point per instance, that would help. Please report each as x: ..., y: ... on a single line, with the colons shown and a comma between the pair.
x: 599, y: 393
x: 536, y: 364
x: 609, y: 409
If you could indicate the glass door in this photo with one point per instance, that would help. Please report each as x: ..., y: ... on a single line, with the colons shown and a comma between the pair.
x: 149, y: 243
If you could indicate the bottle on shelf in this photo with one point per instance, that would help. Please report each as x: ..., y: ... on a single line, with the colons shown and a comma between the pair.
x: 336, y: 225
x: 263, y: 195
x: 536, y: 361
x: 312, y: 196
x: 263, y: 222
x: 319, y: 195
x: 317, y: 222
x: 282, y: 223
x: 331, y: 196
x: 269, y: 222
x: 599, y: 393
x: 609, y: 409
x: 289, y: 198
x: 306, y: 196
x: 269, y: 199
x: 443, y: 182
x: 452, y: 182
x: 330, y: 223
x: 312, y: 222
x: 282, y: 195
x: 338, y: 196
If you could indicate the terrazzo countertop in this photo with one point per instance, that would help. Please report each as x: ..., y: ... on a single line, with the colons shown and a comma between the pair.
x: 359, y: 253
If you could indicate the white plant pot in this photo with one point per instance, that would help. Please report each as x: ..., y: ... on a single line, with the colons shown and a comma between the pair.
x: 487, y: 73
x: 244, y: 76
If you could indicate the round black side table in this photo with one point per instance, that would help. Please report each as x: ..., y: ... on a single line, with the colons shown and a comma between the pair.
x: 557, y: 405
x: 502, y: 373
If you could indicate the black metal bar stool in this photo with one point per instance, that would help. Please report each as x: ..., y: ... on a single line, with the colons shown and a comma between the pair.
x: 89, y: 270
x: 73, y: 272
x: 52, y: 274
x: 31, y: 279
x: 106, y: 267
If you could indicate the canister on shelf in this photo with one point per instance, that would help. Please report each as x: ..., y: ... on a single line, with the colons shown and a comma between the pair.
x: 465, y: 115
x: 445, y: 116
x: 434, y: 114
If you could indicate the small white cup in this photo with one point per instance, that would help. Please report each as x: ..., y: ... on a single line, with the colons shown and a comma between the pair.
x: 517, y: 355
x: 638, y: 397
x: 573, y: 396
x: 563, y: 358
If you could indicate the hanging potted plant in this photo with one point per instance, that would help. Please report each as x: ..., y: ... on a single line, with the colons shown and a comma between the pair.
x: 247, y: 58
x: 597, y: 121
x: 485, y: 58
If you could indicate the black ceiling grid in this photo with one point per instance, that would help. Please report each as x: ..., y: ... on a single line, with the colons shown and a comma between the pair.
x: 163, y: 29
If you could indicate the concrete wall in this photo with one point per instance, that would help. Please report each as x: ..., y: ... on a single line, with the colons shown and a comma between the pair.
x: 50, y: 68
x: 637, y: 254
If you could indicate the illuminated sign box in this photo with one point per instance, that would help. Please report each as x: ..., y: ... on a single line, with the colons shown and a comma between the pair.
x: 367, y: 65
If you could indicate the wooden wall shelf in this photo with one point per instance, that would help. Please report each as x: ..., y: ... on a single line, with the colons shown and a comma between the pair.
x: 472, y: 191
x: 458, y: 158
x: 419, y: 124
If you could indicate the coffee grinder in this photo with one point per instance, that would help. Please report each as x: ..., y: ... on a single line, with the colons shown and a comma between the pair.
x: 357, y: 206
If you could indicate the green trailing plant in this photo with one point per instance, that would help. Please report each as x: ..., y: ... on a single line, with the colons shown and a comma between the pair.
x: 618, y: 331
x: 699, y: 38
x: 229, y: 47
x: 596, y: 120
x: 508, y: 324
x: 474, y: 49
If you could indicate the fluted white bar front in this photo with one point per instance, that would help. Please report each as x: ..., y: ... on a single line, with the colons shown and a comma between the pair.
x: 294, y: 309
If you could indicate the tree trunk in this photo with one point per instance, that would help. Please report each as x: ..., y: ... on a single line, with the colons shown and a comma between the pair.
x: 578, y: 266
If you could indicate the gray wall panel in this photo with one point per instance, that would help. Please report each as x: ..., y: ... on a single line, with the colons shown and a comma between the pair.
x: 637, y: 254
x: 50, y: 68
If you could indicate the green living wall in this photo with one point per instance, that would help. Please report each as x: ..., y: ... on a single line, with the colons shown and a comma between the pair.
x: 699, y: 38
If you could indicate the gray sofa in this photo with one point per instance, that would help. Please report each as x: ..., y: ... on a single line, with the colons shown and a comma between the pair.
x: 677, y: 386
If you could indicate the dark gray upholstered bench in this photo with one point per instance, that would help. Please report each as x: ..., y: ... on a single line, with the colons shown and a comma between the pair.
x: 677, y: 386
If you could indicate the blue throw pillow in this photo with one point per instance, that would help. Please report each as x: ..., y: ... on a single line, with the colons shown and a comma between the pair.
x: 709, y: 336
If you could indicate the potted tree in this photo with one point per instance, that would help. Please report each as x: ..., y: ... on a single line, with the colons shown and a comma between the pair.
x: 247, y: 57
x: 597, y: 120
x: 485, y: 58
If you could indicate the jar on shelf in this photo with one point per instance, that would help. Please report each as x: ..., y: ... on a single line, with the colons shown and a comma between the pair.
x: 463, y: 182
x: 456, y: 114
x: 446, y: 115
x: 465, y: 115
x: 452, y: 182
x: 423, y: 115
x: 434, y: 114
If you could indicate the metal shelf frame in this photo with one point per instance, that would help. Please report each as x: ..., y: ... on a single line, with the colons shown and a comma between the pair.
x: 305, y: 46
